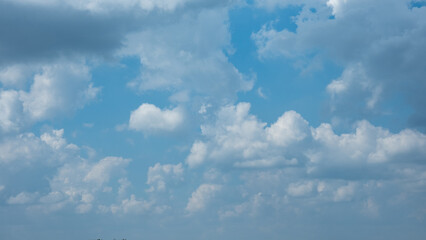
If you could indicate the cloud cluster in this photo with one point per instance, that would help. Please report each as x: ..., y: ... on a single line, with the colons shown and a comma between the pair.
x: 160, y: 175
x: 27, y: 149
x: 238, y: 139
x: 376, y: 42
x: 56, y: 90
x: 188, y: 56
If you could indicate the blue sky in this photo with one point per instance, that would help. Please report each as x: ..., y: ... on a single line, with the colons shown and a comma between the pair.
x: 212, y: 119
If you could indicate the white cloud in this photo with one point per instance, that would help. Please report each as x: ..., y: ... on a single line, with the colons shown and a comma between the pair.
x: 56, y: 89
x: 300, y: 189
x: 251, y: 206
x: 124, y: 185
x: 102, y: 170
x: 79, y: 182
x: 408, y: 143
x: 238, y: 139
x: 187, y: 56
x: 11, y: 108
x: 130, y: 206
x: 26, y: 148
x: 272, y: 4
x: 371, y: 208
x: 376, y: 42
x: 344, y: 193
x: 201, y: 197
x: 15, y: 76
x: 289, y: 128
x: 149, y: 118
x: 22, y: 198
x: 159, y: 176
x: 1, y: 188
x: 197, y: 155
x: 54, y: 140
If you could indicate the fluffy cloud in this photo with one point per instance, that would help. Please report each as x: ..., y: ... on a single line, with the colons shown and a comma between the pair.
x: 149, y: 118
x: 26, y: 148
x: 381, y: 58
x: 57, y: 90
x: 159, y: 175
x: 12, y: 111
x: 201, y: 197
x: 78, y: 183
x: 188, y: 55
x: 15, y: 75
x: 239, y: 139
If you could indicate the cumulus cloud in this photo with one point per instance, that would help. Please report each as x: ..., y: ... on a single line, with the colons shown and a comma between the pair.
x: 201, y: 197
x: 300, y: 189
x: 78, y: 183
x: 149, y: 118
x: 159, y: 176
x: 188, y: 55
x: 239, y: 139
x: 12, y: 111
x: 197, y: 155
x: 381, y: 58
x: 130, y: 205
x: 251, y: 206
x: 15, y: 76
x: 27, y: 148
x: 57, y: 89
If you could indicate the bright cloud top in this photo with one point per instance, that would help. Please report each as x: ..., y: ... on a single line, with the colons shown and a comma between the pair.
x: 148, y: 118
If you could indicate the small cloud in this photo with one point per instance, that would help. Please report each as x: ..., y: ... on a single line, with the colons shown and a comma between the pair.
x: 261, y: 93
x: 88, y: 125
x: 344, y: 193
x: 203, y: 108
x: 149, y: 117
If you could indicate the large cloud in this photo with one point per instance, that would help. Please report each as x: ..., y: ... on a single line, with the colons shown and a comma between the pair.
x: 56, y: 90
x: 239, y: 139
x: 27, y: 149
x: 375, y: 41
x: 188, y: 56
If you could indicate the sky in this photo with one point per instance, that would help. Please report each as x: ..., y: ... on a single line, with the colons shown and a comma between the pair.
x: 212, y: 119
